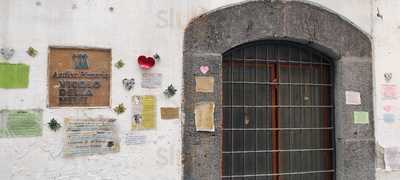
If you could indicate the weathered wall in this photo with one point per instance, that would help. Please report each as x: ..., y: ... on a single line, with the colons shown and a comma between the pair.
x: 134, y: 28
x: 386, y: 39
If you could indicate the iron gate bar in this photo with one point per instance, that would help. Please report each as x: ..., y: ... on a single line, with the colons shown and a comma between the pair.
x: 271, y: 83
x: 282, y: 61
x: 321, y: 128
x: 280, y: 174
x: 282, y: 150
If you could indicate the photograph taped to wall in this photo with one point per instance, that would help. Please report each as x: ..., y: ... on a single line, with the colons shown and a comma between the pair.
x: 14, y: 76
x: 20, y: 123
x: 85, y: 137
x: 143, y: 112
x: 204, y: 116
x: 79, y: 77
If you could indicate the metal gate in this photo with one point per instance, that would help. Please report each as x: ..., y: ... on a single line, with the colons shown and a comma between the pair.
x: 277, y: 113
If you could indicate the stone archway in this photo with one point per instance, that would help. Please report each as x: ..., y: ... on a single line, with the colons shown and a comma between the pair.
x: 210, y: 35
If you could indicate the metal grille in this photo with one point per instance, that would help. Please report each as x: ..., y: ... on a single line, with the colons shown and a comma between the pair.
x: 277, y: 113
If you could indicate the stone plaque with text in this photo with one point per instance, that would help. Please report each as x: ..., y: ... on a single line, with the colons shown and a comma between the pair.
x: 79, y: 77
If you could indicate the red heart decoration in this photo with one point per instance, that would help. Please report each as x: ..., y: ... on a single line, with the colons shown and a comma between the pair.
x: 146, y: 62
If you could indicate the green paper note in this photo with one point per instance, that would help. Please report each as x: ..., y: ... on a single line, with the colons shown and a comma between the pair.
x: 15, y: 123
x: 13, y: 76
x: 361, y: 117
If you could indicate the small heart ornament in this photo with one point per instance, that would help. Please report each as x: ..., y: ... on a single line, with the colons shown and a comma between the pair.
x: 7, y: 53
x: 128, y: 83
x: 146, y: 62
x: 204, y: 69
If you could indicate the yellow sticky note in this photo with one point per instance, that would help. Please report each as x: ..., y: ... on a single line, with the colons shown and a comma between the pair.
x: 205, y: 84
x: 361, y: 117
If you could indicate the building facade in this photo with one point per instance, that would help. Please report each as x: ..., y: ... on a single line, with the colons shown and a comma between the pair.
x: 203, y: 89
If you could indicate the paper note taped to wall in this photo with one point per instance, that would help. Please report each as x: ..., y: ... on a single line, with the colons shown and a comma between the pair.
x: 169, y: 113
x: 144, y: 112
x: 353, y: 98
x: 20, y: 123
x: 14, y: 76
x: 90, y: 136
x: 392, y: 158
x: 151, y: 80
x: 389, y: 91
x: 134, y: 139
x: 361, y: 117
x: 205, y: 84
x: 389, y: 117
x: 204, y: 116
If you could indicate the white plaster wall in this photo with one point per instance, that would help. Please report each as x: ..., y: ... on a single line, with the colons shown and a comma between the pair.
x: 133, y: 28
x: 387, y: 53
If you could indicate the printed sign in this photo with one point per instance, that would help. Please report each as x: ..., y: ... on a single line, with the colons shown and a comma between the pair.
x: 14, y: 76
x: 144, y: 112
x: 133, y: 139
x: 204, y: 116
x: 79, y: 77
x: 90, y: 136
x: 392, y: 158
x: 20, y: 123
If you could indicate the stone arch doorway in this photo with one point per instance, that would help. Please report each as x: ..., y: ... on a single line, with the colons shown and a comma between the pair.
x: 209, y: 36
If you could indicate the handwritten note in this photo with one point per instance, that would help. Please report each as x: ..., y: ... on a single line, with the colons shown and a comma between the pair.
x: 353, y: 98
x: 143, y: 109
x: 90, y: 136
x: 204, y: 116
x: 151, y: 80
x: 20, y: 123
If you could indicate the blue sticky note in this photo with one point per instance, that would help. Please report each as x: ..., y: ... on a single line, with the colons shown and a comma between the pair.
x: 388, y: 117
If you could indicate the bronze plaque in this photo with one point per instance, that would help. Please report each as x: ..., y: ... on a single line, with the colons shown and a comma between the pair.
x: 79, y: 77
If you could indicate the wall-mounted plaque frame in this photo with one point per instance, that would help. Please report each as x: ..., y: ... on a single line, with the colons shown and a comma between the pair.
x: 79, y: 77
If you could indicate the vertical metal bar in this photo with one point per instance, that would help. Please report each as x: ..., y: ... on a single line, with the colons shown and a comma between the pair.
x: 291, y: 124
x: 231, y: 111
x: 275, y: 135
x: 244, y: 111
x: 332, y: 116
x: 255, y: 112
